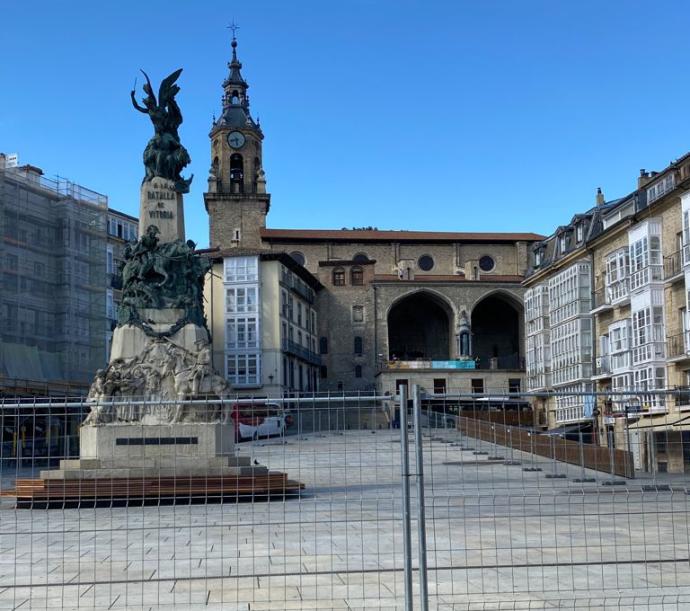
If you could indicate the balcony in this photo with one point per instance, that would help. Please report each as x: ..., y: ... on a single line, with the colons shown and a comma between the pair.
x: 601, y: 301
x: 305, y: 354
x: 678, y: 347
x: 614, y: 294
x: 297, y: 285
x: 686, y: 255
x: 681, y: 397
x: 673, y: 267
x: 602, y: 367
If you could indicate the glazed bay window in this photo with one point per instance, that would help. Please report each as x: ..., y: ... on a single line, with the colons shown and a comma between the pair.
x: 241, y: 333
x: 651, y: 378
x: 570, y: 293
x: 646, y: 264
x: 240, y: 300
x: 617, y: 266
x: 241, y: 269
x: 622, y: 383
x: 242, y: 369
x: 570, y: 407
x: 619, y: 345
x: 571, y: 351
x: 648, y: 334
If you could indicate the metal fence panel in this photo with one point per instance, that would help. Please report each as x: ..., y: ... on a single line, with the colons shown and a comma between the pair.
x: 500, y: 515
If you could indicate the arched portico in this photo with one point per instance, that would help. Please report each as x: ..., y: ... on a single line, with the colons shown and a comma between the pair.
x: 496, y: 331
x: 420, y: 328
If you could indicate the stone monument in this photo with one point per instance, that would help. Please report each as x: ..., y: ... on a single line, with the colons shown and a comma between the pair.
x: 155, y: 412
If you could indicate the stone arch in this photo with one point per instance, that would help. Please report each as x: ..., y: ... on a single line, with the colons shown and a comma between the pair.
x: 420, y: 326
x: 497, y: 330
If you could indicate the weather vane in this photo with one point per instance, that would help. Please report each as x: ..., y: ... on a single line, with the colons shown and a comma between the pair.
x: 234, y: 27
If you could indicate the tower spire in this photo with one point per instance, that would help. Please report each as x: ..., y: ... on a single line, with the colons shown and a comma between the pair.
x: 235, y: 99
x: 235, y: 65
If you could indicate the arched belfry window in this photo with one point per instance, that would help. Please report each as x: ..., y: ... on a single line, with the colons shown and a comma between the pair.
x: 236, y: 173
x: 357, y: 276
x: 235, y: 99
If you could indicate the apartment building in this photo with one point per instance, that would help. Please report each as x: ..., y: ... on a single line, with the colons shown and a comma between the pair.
x: 606, y: 311
x: 263, y: 320
x: 52, y: 301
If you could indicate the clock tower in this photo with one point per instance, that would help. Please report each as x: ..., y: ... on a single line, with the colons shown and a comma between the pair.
x: 236, y: 201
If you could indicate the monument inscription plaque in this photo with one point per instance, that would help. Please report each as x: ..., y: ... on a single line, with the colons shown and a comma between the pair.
x: 161, y: 205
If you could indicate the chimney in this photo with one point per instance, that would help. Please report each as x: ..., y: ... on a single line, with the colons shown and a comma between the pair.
x: 644, y: 178
x: 600, y: 197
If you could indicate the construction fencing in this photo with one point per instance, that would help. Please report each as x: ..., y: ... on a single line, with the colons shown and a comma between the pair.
x: 420, y: 502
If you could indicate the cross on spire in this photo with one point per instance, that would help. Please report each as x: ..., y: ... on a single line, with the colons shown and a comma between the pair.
x: 234, y: 27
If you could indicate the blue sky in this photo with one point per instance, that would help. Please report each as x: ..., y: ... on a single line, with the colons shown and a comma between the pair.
x: 429, y: 115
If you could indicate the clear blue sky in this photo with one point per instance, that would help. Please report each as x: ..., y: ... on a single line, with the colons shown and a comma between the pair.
x: 431, y: 115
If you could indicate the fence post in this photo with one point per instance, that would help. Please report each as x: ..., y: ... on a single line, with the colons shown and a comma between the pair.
x: 532, y: 466
x: 583, y: 478
x: 555, y: 474
x: 511, y: 460
x: 421, y: 519
x: 405, y: 473
x: 612, y: 465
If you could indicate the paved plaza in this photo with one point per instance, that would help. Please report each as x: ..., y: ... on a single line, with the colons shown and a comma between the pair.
x: 499, y: 536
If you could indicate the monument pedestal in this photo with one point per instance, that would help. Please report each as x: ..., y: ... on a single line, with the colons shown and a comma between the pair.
x: 136, y: 464
x: 149, y: 450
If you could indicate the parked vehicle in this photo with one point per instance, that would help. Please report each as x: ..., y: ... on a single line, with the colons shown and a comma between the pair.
x: 260, y: 420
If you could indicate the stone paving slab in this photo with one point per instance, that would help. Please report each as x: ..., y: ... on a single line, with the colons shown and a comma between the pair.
x: 498, y: 537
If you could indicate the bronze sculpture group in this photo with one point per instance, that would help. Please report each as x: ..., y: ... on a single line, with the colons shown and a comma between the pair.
x: 162, y: 293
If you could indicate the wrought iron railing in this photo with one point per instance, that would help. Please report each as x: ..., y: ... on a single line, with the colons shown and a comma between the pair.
x: 673, y: 265
x: 295, y: 349
x: 678, y: 345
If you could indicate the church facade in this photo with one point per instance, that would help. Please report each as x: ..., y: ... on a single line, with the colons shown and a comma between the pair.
x: 385, y: 308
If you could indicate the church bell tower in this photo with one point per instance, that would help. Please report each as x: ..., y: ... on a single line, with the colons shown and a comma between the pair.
x: 236, y: 200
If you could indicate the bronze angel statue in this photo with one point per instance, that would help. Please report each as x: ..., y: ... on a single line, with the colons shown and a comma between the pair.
x: 164, y: 155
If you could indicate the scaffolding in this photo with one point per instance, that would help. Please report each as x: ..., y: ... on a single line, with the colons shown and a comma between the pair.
x: 53, y: 300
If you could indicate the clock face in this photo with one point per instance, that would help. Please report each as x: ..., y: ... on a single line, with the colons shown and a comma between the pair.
x: 236, y: 140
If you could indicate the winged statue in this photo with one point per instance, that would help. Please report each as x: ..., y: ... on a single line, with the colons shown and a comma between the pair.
x: 164, y: 155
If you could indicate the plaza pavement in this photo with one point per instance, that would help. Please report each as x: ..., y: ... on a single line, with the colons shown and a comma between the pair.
x: 499, y: 536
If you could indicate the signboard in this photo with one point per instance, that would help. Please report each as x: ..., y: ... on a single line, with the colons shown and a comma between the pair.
x: 466, y: 364
x: 11, y: 160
